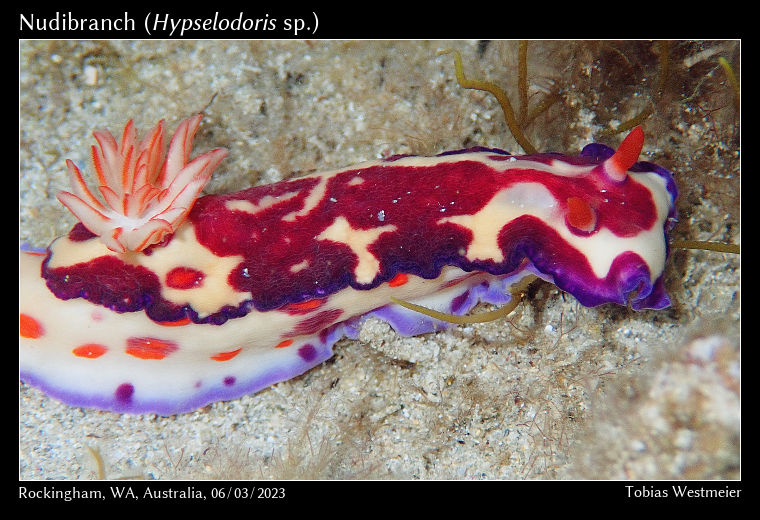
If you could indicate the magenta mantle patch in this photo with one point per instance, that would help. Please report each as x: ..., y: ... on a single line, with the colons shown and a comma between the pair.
x: 415, y: 204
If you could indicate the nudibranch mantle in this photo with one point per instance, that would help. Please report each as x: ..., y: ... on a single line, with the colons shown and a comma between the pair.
x: 255, y: 287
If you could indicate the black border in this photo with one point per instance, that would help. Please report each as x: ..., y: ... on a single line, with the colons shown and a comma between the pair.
x: 388, y: 20
x: 537, y: 496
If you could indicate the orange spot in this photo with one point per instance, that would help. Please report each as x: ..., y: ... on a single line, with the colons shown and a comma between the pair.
x: 90, y: 350
x: 283, y: 344
x: 178, y: 323
x: 398, y: 280
x: 150, y: 348
x: 29, y: 327
x: 580, y: 215
x: 226, y: 356
x: 36, y: 253
x: 303, y: 307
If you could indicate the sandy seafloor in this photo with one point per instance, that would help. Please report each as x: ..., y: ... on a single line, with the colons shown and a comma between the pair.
x: 556, y: 392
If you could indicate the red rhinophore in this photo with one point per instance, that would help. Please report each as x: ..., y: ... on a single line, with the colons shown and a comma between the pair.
x: 626, y: 155
x: 150, y: 348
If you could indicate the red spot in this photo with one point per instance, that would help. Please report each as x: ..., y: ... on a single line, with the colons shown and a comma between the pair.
x: 303, y: 307
x: 150, y: 348
x: 178, y: 323
x: 36, y: 253
x: 399, y: 280
x: 90, y: 350
x: 29, y: 327
x: 226, y: 356
x: 184, y: 278
x: 283, y: 344
x: 580, y: 215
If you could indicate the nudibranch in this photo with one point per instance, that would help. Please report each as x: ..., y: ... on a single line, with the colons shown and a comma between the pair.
x: 159, y: 301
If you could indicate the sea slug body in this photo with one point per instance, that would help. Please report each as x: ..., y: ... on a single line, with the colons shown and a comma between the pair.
x: 157, y: 302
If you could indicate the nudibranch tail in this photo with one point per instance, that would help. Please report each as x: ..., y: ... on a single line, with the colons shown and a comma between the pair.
x: 255, y: 287
x: 143, y: 199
